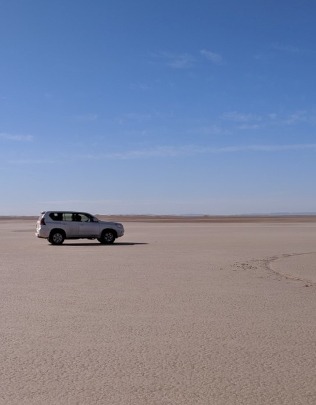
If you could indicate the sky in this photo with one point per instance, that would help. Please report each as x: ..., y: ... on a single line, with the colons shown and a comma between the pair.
x: 158, y: 107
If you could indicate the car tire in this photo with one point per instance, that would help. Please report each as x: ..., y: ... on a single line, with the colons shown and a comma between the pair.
x: 56, y: 237
x: 108, y: 237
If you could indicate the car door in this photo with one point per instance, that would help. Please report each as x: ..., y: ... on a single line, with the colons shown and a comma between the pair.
x: 70, y: 226
x: 88, y: 227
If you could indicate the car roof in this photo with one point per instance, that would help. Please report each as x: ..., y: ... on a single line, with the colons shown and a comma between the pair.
x: 66, y: 212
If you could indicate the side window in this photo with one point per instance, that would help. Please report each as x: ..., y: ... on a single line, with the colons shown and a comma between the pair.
x: 67, y: 216
x: 84, y: 218
x: 76, y: 217
x: 56, y: 216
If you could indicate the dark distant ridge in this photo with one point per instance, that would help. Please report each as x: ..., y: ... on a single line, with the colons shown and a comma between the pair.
x: 272, y: 218
x: 246, y: 218
x: 20, y: 217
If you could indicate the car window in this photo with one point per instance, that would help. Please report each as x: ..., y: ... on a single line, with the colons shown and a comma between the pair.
x: 85, y: 218
x: 67, y: 216
x: 56, y: 216
x: 70, y: 216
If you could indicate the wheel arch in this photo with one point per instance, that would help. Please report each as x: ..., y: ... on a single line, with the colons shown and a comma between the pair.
x: 58, y: 230
x: 109, y: 229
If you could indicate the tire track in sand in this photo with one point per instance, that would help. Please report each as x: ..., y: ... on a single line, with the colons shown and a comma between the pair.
x: 267, y: 264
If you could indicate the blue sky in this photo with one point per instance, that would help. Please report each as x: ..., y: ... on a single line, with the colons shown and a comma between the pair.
x: 157, y: 107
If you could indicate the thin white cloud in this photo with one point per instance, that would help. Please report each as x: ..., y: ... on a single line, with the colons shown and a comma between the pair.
x: 211, y: 129
x: 298, y: 116
x: 140, y: 86
x: 249, y: 126
x: 186, y: 60
x: 193, y: 150
x: 16, y: 138
x: 86, y: 117
x: 253, y: 121
x: 241, y: 117
x: 277, y: 49
x: 175, y: 60
x: 159, y: 151
x: 256, y: 148
x: 267, y: 148
x: 213, y: 57
x: 31, y: 161
x: 287, y: 48
x: 134, y: 117
x: 165, y: 152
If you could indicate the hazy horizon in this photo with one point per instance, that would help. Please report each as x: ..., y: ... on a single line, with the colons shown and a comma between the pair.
x: 200, y: 215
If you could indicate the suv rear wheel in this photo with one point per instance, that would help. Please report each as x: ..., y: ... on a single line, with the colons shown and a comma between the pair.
x: 56, y: 237
x: 107, y: 237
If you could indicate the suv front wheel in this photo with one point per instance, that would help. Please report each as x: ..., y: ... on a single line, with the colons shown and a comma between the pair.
x: 107, y: 237
x: 56, y: 237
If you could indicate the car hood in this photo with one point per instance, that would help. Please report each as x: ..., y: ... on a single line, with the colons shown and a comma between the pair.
x: 109, y: 223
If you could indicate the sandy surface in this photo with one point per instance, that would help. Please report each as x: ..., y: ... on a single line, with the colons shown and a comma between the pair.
x: 173, y: 313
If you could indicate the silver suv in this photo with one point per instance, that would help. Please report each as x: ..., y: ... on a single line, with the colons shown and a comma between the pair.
x: 56, y: 226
